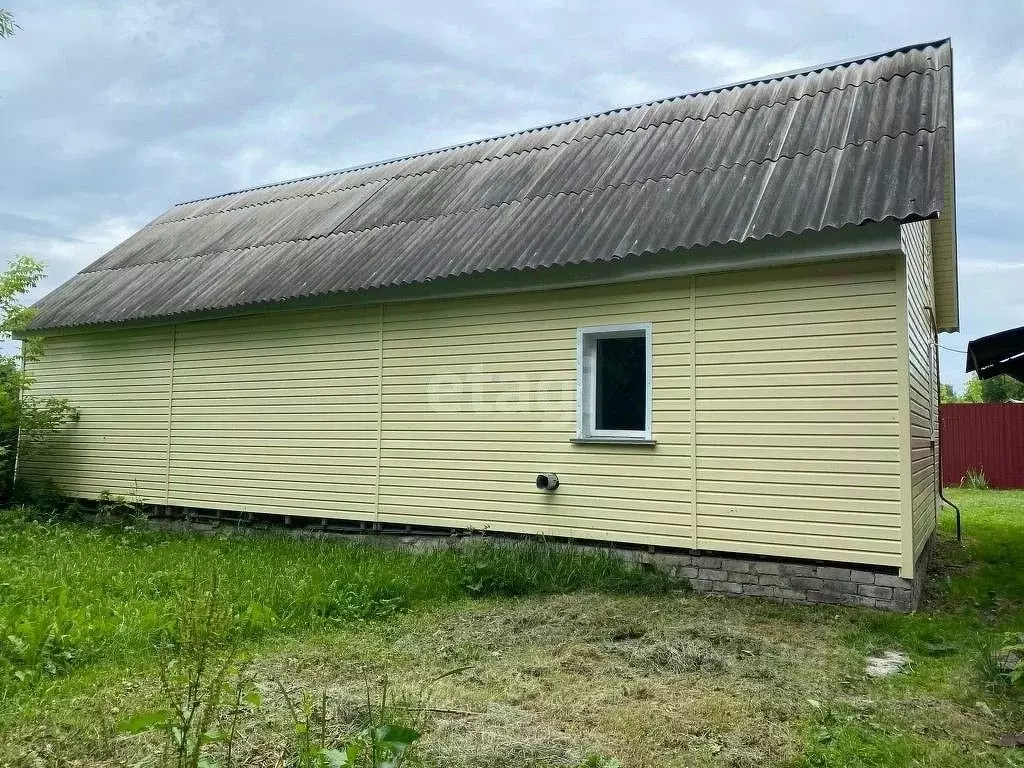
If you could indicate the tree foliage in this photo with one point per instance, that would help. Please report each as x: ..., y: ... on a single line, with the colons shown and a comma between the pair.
x: 7, y: 25
x: 25, y: 419
x: 999, y: 389
x: 949, y: 395
x: 995, y: 390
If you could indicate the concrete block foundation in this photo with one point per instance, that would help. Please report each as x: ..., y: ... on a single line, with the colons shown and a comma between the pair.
x: 710, y: 573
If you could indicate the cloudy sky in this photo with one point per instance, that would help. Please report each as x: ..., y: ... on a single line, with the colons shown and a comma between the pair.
x: 112, y: 110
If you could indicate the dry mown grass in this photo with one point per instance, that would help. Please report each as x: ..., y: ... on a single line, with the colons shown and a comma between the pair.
x: 653, y: 681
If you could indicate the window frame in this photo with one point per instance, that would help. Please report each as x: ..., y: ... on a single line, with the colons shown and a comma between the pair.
x: 586, y: 383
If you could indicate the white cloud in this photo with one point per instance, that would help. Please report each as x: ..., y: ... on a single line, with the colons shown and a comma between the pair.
x: 987, y: 266
x: 616, y: 89
x: 64, y: 257
x: 730, y: 64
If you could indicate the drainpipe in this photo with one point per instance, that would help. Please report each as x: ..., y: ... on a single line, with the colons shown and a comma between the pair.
x: 938, y: 400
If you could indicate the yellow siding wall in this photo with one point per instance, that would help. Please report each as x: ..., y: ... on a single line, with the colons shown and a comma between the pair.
x: 923, y: 405
x: 797, y: 407
x: 795, y: 372
x: 120, y: 382
x: 480, y: 396
x: 277, y: 413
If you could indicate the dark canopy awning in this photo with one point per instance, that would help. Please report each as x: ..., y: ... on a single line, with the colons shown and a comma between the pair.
x: 999, y: 353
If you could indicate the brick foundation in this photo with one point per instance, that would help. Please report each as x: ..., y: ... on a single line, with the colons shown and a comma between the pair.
x: 795, y: 581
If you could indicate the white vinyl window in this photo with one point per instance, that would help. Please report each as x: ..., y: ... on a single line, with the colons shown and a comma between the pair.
x: 613, y: 383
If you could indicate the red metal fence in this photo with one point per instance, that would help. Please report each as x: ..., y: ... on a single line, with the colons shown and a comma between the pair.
x: 985, y: 436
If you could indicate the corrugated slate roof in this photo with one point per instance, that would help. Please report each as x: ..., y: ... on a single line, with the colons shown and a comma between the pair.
x: 859, y: 141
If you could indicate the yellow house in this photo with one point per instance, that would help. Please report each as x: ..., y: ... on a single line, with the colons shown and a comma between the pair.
x: 703, y: 325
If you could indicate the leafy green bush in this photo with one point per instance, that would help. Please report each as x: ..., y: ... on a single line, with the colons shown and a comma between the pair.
x: 26, y: 421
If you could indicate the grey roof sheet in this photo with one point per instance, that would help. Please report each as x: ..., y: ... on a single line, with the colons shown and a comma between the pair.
x: 854, y: 142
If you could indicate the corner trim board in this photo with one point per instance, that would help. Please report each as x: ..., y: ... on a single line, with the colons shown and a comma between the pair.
x: 380, y: 411
x: 903, y: 411
x: 693, y: 411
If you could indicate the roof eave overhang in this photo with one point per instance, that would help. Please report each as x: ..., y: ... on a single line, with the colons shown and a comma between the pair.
x: 854, y: 241
x: 948, y: 305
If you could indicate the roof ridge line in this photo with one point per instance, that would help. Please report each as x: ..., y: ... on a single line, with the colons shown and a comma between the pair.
x: 562, y: 193
x: 715, y: 116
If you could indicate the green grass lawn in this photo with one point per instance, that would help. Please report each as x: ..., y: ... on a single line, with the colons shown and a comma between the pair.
x: 561, y: 654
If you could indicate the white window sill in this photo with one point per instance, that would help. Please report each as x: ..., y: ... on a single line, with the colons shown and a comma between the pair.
x: 612, y: 441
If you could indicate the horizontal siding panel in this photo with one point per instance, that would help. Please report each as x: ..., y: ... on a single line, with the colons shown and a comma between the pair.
x: 881, y: 397
x: 732, y: 436
x: 741, y: 488
x: 770, y: 499
x: 863, y: 383
x: 261, y: 400
x: 796, y: 413
x: 743, y: 449
x: 810, y: 477
x: 795, y: 349
x: 282, y: 413
x: 814, y: 466
x: 541, y: 520
x: 852, y: 297
x: 672, y: 368
x: 119, y: 383
x: 335, y: 505
x: 337, y: 371
x: 798, y: 315
x: 804, y: 540
x: 98, y: 451
x: 566, y: 303
x: 344, y: 468
x: 482, y: 333
x: 636, y: 460
x: 850, y: 272
x: 789, y: 427
x: 829, y: 333
x: 868, y: 555
x: 792, y: 523
x: 71, y: 467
